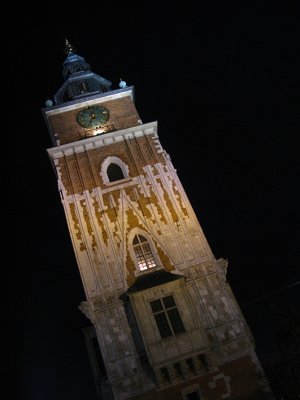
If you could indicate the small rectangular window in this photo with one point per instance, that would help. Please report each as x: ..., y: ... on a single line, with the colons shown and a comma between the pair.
x: 167, y: 317
x: 191, y: 393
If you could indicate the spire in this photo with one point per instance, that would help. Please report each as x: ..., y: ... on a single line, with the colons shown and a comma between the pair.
x: 68, y: 47
x: 80, y: 81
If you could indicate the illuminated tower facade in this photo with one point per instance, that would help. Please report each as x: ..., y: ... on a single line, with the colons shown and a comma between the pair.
x: 165, y: 321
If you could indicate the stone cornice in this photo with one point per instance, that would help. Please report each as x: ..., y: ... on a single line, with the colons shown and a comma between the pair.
x: 88, y: 100
x: 102, y: 140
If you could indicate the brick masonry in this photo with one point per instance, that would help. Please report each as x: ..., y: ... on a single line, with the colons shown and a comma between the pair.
x: 216, y: 351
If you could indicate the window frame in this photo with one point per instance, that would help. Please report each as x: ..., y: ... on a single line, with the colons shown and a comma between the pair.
x: 141, y: 247
x: 131, y: 236
x: 106, y: 163
x: 114, y: 165
x: 168, y: 323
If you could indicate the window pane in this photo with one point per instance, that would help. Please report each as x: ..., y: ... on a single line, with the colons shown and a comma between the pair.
x: 167, y: 316
x: 175, y: 320
x: 142, y: 239
x: 65, y: 96
x: 156, y: 305
x: 163, y: 325
x: 140, y: 258
x: 114, y: 172
x: 148, y: 255
x: 83, y: 87
x: 169, y: 302
x: 143, y: 253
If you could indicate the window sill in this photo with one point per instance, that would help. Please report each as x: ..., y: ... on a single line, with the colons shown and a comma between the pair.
x: 147, y: 271
x: 114, y: 183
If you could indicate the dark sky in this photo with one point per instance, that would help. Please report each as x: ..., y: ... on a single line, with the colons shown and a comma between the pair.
x: 223, y: 84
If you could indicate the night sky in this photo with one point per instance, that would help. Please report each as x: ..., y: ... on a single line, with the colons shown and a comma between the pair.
x: 223, y: 84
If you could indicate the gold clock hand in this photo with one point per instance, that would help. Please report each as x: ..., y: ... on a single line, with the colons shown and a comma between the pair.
x: 92, y: 116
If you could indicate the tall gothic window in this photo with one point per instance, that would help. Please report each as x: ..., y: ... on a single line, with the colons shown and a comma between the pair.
x: 143, y: 253
x: 114, y: 172
x: 167, y: 317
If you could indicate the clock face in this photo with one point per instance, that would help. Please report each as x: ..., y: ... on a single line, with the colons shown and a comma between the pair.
x: 92, y: 116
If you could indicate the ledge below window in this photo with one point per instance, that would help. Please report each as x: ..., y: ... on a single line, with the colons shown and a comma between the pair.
x: 117, y: 182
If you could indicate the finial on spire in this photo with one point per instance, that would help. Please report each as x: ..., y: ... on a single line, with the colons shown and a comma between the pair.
x: 48, y: 103
x: 68, y: 47
x: 122, y: 83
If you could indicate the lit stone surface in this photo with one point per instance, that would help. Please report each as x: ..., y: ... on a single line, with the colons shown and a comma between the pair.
x: 104, y: 216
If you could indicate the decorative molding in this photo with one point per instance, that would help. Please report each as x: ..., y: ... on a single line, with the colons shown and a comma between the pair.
x: 96, y: 99
x: 102, y: 140
x: 113, y: 160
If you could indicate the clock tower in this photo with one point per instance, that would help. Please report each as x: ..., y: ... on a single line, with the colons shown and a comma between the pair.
x: 164, y: 321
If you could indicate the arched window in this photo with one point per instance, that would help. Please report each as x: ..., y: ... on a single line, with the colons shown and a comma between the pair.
x: 83, y: 87
x: 143, y: 253
x: 113, y: 169
x: 103, y: 89
x: 114, y: 172
x: 66, y: 96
